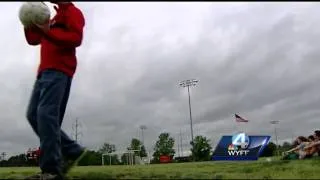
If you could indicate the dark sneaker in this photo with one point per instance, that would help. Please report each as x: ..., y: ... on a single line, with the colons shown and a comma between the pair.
x: 72, y: 163
x: 44, y: 176
x: 47, y: 176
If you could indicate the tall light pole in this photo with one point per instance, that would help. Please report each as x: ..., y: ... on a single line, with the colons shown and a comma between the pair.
x: 188, y: 83
x: 181, y: 148
x: 275, y: 133
x: 142, y: 127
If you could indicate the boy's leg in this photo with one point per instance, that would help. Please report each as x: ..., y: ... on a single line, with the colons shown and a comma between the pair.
x: 52, y: 86
x: 68, y: 146
x: 71, y: 149
x: 33, y: 106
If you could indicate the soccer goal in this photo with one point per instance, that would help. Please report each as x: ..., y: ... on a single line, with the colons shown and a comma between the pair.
x: 131, y: 158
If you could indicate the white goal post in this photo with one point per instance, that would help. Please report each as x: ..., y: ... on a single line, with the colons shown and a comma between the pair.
x: 130, y: 156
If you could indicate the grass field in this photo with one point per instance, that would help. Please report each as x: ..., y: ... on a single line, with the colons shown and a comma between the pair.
x: 276, y: 169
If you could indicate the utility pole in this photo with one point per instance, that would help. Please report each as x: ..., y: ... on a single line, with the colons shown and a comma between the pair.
x: 3, y: 156
x: 75, y: 128
x: 181, y: 148
x: 188, y: 83
x: 276, y: 135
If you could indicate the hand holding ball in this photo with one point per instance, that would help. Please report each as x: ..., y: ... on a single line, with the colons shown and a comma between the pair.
x: 34, y: 13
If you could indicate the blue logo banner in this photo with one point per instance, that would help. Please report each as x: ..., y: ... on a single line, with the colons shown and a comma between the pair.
x: 240, y: 147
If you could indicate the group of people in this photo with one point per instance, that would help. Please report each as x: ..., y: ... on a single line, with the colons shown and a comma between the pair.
x: 304, y: 147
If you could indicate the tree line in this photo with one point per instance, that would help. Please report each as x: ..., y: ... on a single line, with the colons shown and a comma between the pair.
x: 164, y: 146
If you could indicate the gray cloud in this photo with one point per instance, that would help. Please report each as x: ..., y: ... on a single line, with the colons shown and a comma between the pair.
x: 257, y: 59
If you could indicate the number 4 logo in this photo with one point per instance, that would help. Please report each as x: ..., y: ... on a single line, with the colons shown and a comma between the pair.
x: 239, y: 139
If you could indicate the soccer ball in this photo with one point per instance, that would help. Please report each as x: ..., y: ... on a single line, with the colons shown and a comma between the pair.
x: 34, y: 12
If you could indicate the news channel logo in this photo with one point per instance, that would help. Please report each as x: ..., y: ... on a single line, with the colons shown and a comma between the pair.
x: 240, y: 147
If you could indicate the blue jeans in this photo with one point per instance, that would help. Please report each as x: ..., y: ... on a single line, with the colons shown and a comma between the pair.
x: 45, y: 114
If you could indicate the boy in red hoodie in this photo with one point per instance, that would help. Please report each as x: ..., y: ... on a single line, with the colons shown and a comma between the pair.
x: 58, y: 40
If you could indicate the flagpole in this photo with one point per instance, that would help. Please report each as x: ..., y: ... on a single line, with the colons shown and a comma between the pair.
x: 234, y: 127
x: 245, y: 128
x: 237, y: 127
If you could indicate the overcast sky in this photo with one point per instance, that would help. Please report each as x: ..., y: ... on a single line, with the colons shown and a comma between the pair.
x: 260, y: 60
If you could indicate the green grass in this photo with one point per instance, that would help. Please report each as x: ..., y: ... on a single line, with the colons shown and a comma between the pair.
x: 276, y: 169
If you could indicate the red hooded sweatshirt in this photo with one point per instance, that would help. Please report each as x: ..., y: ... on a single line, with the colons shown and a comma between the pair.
x: 58, y: 45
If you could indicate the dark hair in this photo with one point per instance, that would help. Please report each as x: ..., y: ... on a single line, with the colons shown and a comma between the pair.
x: 317, y: 133
x: 311, y: 137
x: 303, y: 139
x: 295, y: 143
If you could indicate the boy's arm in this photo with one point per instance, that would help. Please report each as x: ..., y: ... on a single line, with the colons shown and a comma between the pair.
x: 294, y: 149
x: 316, y: 143
x: 73, y: 36
x: 312, y: 145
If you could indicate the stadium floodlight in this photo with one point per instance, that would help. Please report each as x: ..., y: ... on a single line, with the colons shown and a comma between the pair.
x: 142, y: 127
x: 187, y: 84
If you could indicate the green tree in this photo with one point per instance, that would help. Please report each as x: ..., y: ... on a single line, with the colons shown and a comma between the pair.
x: 138, y: 150
x: 114, y: 160
x: 285, y: 146
x: 107, y: 148
x: 91, y: 158
x: 201, y: 150
x: 94, y: 158
x: 164, y: 146
x: 136, y: 144
x: 128, y: 158
x: 270, y: 150
x: 18, y: 160
x: 125, y: 159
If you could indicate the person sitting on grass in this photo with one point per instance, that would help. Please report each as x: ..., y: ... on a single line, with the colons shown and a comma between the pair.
x: 317, y: 136
x: 301, y: 143
x: 310, y: 149
x: 314, y: 146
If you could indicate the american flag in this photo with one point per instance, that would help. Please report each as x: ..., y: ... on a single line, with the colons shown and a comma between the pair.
x: 240, y: 119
